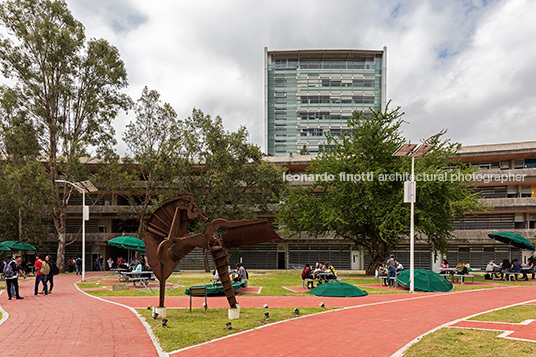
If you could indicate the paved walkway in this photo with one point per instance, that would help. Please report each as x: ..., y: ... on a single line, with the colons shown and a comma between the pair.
x: 69, y: 323
x: 369, y: 329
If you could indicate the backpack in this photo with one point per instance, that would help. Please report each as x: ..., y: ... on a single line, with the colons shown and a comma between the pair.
x: 45, y: 268
x: 55, y: 269
x: 8, y: 270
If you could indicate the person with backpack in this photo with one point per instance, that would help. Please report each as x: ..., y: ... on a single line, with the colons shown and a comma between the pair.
x: 42, y: 269
x: 78, y: 266
x: 53, y: 271
x: 11, y: 270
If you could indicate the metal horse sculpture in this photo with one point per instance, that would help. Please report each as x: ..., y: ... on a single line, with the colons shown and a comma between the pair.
x: 167, y: 240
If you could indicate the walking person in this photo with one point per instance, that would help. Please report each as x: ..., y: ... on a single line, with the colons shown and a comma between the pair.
x: 71, y: 265
x: 42, y: 269
x: 391, y: 269
x: 11, y: 271
x: 50, y: 277
x: 78, y: 266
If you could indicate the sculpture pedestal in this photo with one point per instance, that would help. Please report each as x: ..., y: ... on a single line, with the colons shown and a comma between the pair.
x: 161, y: 311
x: 234, y: 313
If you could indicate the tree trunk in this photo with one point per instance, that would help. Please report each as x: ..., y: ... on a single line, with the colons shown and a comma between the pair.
x: 61, y: 251
x: 205, y: 258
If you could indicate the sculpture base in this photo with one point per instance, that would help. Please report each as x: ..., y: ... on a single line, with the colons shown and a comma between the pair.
x: 234, y: 313
x: 161, y: 311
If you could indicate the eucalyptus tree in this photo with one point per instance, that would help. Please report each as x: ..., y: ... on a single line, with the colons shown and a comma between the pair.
x: 70, y: 88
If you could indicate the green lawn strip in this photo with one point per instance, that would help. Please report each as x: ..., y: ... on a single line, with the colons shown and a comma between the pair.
x: 514, y: 314
x: 465, y: 342
x: 185, y: 328
x: 91, y: 286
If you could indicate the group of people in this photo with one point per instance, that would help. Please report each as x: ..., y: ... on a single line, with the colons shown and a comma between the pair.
x: 310, y: 273
x: 389, y: 269
x: 75, y: 265
x: 44, y: 271
x: 515, y: 268
x: 241, y: 274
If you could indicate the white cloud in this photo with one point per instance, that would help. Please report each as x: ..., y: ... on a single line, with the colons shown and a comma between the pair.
x: 466, y: 66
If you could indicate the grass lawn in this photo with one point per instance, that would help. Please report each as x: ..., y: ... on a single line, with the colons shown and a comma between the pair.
x: 514, y: 314
x: 466, y: 342
x: 272, y: 283
x: 185, y: 328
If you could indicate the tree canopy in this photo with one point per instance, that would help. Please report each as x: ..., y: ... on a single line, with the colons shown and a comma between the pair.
x: 357, y: 192
x: 69, y: 88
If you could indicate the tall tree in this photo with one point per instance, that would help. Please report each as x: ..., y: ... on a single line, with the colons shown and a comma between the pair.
x: 69, y: 87
x: 153, y: 142
x: 367, y: 208
x: 225, y: 173
x: 23, y: 182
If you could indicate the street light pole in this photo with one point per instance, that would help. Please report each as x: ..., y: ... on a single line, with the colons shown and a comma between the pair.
x: 410, y: 192
x: 82, y: 187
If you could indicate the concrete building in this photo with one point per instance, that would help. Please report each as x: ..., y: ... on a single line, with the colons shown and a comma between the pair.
x: 506, y: 179
x: 311, y: 93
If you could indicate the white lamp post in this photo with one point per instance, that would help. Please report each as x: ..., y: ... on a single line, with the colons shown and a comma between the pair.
x: 82, y: 187
x: 410, y: 191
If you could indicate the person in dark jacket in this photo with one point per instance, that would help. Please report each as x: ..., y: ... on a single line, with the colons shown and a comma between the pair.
x: 50, y: 276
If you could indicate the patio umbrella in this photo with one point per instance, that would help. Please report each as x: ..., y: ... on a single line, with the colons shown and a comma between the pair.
x: 338, y: 289
x: 425, y: 280
x: 128, y: 242
x: 17, y: 245
x: 3, y: 249
x: 512, y: 239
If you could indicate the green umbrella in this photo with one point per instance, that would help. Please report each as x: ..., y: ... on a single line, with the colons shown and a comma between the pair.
x: 128, y: 242
x: 338, y: 289
x: 17, y: 245
x: 425, y: 280
x: 513, y: 239
x: 3, y: 248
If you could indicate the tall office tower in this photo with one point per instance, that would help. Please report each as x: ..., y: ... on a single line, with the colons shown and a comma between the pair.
x: 310, y: 93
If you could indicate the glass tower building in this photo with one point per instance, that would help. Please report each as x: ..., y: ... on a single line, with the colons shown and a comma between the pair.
x: 310, y: 93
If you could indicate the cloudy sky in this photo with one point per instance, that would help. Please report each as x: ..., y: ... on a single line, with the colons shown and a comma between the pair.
x: 465, y: 66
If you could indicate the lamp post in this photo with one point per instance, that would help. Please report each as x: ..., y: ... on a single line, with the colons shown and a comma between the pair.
x: 410, y: 191
x: 82, y: 187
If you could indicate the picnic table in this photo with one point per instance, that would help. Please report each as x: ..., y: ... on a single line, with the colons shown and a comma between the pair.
x: 142, y: 277
x: 118, y: 271
x: 320, y: 278
x: 455, y: 276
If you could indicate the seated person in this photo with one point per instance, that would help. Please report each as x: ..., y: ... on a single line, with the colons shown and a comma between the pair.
x: 399, y: 267
x: 530, y: 268
x: 332, y: 274
x: 381, y: 271
x: 215, y: 276
x: 307, y: 274
x: 516, y: 267
x: 494, y: 269
x: 505, y: 266
x: 444, y: 266
x: 319, y: 268
x: 461, y: 268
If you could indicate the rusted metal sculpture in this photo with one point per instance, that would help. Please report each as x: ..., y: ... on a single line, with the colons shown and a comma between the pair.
x: 167, y: 240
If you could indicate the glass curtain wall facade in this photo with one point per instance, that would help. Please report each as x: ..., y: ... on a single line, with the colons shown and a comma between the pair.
x: 311, y: 93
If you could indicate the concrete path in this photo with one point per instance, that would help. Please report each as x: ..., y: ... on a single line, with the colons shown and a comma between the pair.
x: 69, y: 323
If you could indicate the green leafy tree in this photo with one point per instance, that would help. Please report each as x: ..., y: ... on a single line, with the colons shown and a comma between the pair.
x: 153, y: 141
x: 368, y: 208
x: 224, y: 172
x: 68, y: 86
x: 23, y: 182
